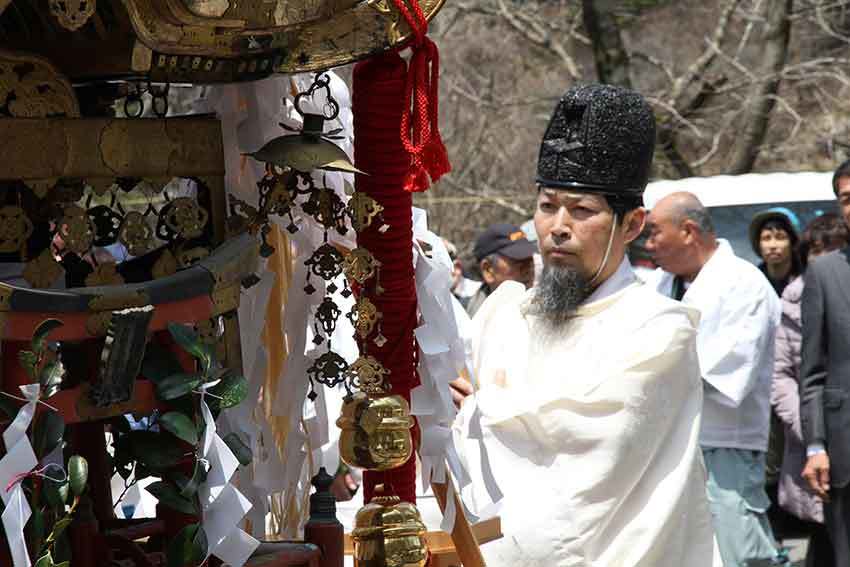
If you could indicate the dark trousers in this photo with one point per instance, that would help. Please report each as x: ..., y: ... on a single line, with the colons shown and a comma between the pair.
x: 819, y: 553
x: 837, y: 515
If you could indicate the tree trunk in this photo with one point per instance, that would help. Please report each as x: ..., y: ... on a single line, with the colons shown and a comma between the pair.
x: 761, y: 98
x: 612, y: 61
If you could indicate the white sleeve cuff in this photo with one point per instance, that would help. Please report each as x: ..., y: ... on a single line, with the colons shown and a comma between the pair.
x: 815, y: 449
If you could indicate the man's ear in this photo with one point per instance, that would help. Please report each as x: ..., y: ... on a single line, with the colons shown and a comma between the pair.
x: 486, y: 271
x: 691, y: 230
x: 633, y: 223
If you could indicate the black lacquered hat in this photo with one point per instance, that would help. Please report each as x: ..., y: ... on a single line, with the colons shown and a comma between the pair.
x: 600, y: 139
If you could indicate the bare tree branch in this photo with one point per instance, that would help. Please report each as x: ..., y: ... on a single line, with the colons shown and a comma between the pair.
x: 699, y: 66
x: 762, y: 99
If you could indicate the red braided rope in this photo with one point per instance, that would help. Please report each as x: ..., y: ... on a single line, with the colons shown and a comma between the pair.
x: 379, y: 85
x: 420, y: 134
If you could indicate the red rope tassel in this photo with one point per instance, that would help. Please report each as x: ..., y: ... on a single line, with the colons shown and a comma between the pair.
x: 420, y: 132
x: 379, y: 87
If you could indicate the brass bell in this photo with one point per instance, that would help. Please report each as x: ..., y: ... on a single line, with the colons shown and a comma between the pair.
x: 389, y: 533
x: 375, y: 432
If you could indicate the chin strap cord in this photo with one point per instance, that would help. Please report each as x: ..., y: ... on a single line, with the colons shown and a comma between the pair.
x: 607, y: 250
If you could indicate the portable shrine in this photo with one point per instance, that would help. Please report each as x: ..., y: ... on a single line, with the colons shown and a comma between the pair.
x: 127, y: 256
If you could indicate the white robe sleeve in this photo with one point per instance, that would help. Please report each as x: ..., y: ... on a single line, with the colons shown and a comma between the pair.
x: 738, y: 345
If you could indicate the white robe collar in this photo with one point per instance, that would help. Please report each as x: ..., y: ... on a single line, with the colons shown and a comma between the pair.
x: 619, y: 280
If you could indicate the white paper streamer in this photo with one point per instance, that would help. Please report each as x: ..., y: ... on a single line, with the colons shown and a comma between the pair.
x: 445, y: 352
x: 222, y: 505
x: 19, y: 460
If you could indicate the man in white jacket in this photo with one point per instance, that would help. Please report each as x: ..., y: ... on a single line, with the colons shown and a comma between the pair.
x: 589, y: 394
x: 739, y: 315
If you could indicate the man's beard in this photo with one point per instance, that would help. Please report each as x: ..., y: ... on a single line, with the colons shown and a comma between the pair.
x: 558, y: 295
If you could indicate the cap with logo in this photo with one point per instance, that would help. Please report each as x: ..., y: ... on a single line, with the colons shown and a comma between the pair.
x: 600, y: 139
x: 506, y: 239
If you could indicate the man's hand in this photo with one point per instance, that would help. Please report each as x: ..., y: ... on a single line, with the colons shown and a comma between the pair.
x: 461, y: 387
x: 816, y: 474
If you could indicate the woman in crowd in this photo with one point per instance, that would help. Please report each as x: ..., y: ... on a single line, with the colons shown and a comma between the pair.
x: 824, y: 234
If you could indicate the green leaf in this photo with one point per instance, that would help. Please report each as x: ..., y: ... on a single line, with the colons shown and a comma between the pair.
x: 63, y: 564
x: 180, y: 426
x: 159, y: 363
x: 39, y: 337
x: 49, y: 392
x: 189, y: 546
x: 228, y: 393
x: 36, y: 529
x: 55, y: 493
x: 51, y: 374
x: 155, y: 451
x: 48, y: 433
x: 177, y: 386
x: 169, y: 496
x: 62, y: 548
x: 189, y: 341
x: 189, y: 486
x: 78, y: 474
x: 241, y: 451
x: 45, y: 560
x: 60, y: 526
x: 28, y: 360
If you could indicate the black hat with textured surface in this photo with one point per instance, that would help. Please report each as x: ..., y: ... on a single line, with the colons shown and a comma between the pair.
x: 600, y: 139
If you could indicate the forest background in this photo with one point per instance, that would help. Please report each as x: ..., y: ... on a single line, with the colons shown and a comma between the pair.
x: 737, y: 86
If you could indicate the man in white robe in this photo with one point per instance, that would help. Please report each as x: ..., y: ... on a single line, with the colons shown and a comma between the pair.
x: 739, y: 315
x: 588, y: 389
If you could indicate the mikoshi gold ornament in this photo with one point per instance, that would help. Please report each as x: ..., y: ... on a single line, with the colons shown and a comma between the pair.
x: 311, y: 147
x: 72, y: 14
x: 389, y: 533
x: 375, y: 432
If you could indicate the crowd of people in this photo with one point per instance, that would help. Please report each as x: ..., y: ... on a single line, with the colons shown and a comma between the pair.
x: 694, y: 414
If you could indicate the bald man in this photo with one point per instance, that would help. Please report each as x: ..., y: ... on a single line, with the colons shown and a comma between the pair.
x: 739, y: 315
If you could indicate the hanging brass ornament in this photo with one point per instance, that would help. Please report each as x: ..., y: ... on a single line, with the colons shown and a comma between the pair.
x: 325, y: 262
x: 375, y: 432
x: 243, y: 217
x: 277, y: 193
x: 311, y: 147
x: 181, y: 218
x: 363, y: 315
x: 307, y: 150
x: 326, y: 316
x: 362, y: 209
x: 72, y: 14
x: 361, y: 266
x: 327, y: 208
x: 389, y: 533
x: 107, y: 225
x: 367, y: 375
x: 76, y: 229
x: 43, y: 271
x: 136, y: 234
x: 329, y: 370
x: 15, y: 229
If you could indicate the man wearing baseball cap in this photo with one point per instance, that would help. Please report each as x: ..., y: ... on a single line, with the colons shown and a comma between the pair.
x: 503, y: 253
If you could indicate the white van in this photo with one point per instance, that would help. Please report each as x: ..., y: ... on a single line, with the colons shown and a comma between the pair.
x: 734, y: 199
